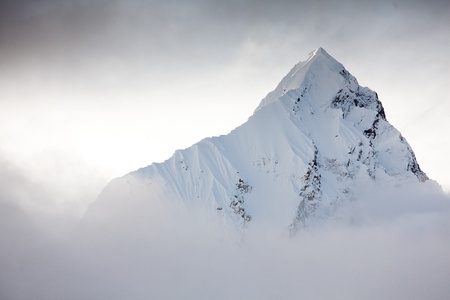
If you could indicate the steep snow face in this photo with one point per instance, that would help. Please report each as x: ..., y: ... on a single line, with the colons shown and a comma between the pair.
x: 316, y: 68
x: 306, y: 151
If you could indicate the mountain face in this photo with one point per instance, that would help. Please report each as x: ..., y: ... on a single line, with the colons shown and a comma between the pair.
x: 310, y: 145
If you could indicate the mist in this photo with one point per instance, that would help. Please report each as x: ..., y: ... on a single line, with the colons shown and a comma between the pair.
x: 394, y: 245
x: 91, y: 90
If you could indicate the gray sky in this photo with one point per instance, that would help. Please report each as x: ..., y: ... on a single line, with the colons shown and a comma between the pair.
x: 90, y: 90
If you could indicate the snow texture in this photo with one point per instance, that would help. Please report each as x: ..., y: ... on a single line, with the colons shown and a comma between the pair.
x: 309, y: 148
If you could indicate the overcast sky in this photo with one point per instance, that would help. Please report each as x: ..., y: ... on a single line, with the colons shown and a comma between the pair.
x: 91, y: 90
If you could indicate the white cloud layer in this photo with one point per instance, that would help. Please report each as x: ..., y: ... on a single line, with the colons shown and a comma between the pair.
x: 396, y: 248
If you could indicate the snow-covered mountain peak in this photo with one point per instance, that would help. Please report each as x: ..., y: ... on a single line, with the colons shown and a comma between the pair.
x: 310, y: 147
x: 318, y: 51
x: 318, y: 69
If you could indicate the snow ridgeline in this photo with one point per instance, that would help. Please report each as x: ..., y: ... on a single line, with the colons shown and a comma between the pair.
x: 310, y: 148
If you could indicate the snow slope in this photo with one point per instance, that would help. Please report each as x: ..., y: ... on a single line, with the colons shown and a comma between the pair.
x: 307, y: 150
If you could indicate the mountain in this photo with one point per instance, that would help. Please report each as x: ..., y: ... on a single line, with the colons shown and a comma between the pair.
x: 312, y: 146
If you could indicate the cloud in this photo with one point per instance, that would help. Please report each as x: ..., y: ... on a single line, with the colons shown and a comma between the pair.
x: 398, y: 249
x: 114, y: 80
x: 162, y: 31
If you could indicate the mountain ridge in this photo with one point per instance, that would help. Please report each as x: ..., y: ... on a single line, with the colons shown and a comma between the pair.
x: 303, y: 154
